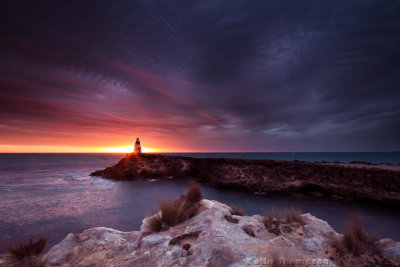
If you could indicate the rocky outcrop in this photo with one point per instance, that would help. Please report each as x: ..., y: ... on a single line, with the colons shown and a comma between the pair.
x: 209, y: 239
x: 338, y: 181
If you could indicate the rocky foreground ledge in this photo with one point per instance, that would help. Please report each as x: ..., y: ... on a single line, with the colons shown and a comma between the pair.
x: 215, y: 237
x: 358, y: 181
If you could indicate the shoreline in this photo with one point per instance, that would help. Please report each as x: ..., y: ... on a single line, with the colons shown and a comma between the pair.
x: 342, y: 181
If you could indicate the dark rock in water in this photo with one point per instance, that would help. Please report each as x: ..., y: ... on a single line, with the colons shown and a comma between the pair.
x: 349, y: 181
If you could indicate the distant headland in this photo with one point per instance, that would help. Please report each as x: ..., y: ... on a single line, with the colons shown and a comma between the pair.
x: 346, y: 181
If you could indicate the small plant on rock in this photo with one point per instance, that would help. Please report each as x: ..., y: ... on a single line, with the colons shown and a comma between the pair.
x: 170, y: 212
x: 269, y: 219
x: 278, y: 220
x: 337, y: 244
x: 26, y: 254
x: 294, y: 215
x: 155, y: 223
x: 357, y: 241
x: 237, y: 211
x: 194, y: 193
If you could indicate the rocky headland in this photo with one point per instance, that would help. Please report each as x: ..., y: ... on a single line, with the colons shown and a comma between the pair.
x: 215, y: 237
x: 357, y: 181
x: 192, y: 231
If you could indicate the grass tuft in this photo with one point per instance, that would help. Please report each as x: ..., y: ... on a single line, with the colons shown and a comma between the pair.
x: 337, y: 244
x: 27, y: 253
x: 194, y: 193
x: 155, y: 223
x: 237, y: 211
x: 269, y: 219
x: 294, y: 215
x: 170, y: 212
x: 357, y: 241
x: 278, y: 220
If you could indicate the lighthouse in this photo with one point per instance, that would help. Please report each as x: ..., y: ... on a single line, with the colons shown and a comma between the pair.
x: 138, y: 149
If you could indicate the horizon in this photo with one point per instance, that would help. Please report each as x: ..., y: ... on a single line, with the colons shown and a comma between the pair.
x: 204, y: 152
x: 230, y: 76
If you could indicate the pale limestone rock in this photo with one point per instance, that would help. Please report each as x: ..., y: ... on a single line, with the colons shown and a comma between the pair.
x: 176, y: 252
x: 281, y: 241
x: 213, y: 242
x: 391, y: 249
x: 318, y: 233
x: 152, y: 240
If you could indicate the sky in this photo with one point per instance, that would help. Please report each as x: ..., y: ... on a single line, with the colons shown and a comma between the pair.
x: 197, y: 76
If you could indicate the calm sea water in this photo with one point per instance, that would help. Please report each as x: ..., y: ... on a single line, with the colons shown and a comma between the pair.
x: 52, y: 194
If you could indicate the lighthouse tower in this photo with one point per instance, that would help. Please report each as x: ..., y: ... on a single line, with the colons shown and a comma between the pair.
x: 138, y: 149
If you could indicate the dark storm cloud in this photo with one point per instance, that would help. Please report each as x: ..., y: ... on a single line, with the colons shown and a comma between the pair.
x: 265, y: 75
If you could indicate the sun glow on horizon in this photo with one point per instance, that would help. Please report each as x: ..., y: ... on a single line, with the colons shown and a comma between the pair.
x: 126, y: 149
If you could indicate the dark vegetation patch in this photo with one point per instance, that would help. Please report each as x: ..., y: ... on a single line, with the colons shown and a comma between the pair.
x: 358, y: 242
x: 176, y: 211
x: 26, y: 253
x: 360, y: 245
x: 156, y: 223
x: 229, y: 218
x: 294, y: 215
x: 170, y: 212
x: 194, y: 193
x: 249, y: 230
x: 272, y: 224
x: 237, y: 211
x: 269, y: 219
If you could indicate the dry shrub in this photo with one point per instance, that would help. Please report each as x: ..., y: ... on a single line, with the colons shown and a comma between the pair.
x: 155, y: 223
x: 337, y: 244
x: 194, y: 193
x: 278, y: 220
x: 26, y: 254
x: 237, y: 211
x: 170, y: 212
x: 294, y: 215
x: 357, y: 241
x: 190, y: 202
x: 269, y: 219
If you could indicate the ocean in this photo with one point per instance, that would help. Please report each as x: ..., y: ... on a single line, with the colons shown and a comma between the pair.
x: 53, y: 194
